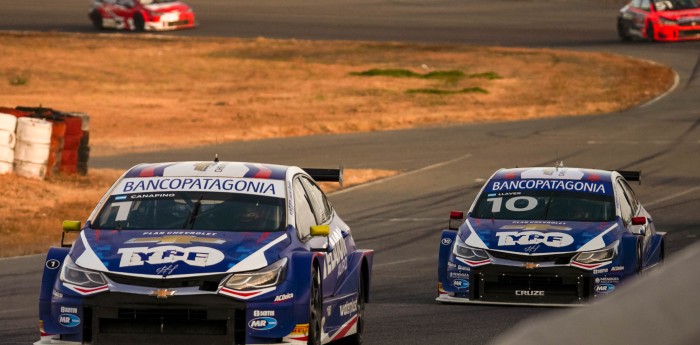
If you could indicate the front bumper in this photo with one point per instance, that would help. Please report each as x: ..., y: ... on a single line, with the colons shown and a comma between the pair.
x: 171, y: 21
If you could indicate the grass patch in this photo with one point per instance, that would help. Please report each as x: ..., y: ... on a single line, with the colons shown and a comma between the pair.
x: 486, y: 75
x: 447, y: 92
x: 404, y: 73
x: 19, y: 78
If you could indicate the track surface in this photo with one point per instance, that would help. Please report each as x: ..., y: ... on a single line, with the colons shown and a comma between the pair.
x: 401, y: 217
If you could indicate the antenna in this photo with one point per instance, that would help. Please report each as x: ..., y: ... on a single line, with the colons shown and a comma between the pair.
x: 216, y: 158
x: 560, y: 164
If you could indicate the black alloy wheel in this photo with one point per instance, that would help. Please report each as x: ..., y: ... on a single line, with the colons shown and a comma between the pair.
x: 650, y: 32
x: 639, y: 257
x: 96, y: 19
x: 315, y: 309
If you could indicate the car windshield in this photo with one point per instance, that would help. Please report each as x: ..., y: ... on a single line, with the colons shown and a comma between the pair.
x: 192, y: 210
x: 545, y: 205
x: 674, y: 5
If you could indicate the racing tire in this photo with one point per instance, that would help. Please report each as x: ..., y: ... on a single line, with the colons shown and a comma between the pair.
x: 139, y: 22
x: 650, y: 32
x: 623, y: 31
x: 315, y: 309
x: 96, y: 19
x: 639, y: 267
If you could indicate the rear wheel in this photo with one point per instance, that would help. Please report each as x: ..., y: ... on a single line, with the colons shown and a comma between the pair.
x: 315, y: 309
x: 139, y: 22
x: 639, y: 257
x: 623, y: 31
x: 96, y: 19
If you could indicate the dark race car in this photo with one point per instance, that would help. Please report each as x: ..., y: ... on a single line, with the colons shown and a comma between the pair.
x: 210, y: 253
x: 660, y: 20
x: 547, y: 236
x: 141, y: 15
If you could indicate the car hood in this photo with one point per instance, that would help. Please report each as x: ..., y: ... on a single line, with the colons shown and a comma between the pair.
x: 167, y: 7
x: 689, y: 14
x: 539, y: 237
x: 174, y: 254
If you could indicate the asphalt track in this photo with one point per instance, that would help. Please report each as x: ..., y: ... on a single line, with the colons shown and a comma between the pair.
x: 443, y: 167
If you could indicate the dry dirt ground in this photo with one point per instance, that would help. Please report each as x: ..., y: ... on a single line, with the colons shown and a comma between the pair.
x: 157, y: 92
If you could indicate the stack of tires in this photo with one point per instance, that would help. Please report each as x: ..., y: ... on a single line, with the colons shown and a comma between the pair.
x: 58, y: 134
x: 84, y: 148
x: 69, y: 155
x: 8, y: 124
x: 33, y: 147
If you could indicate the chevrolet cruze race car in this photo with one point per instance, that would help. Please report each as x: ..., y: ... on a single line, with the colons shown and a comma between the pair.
x: 553, y: 236
x: 660, y: 20
x: 140, y: 15
x: 208, y: 253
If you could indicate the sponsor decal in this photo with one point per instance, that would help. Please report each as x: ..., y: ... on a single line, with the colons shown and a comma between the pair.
x: 348, y: 308
x: 53, y: 264
x: 213, y: 184
x: 529, y: 293
x: 463, y: 268
x: 451, y: 265
x: 257, y: 313
x: 530, y: 265
x: 179, y: 233
x: 460, y: 283
x: 262, y: 323
x: 69, y: 310
x: 338, y: 257
x: 617, y: 268
x: 550, y: 239
x: 204, y: 166
x: 550, y: 222
x: 459, y: 275
x: 194, y: 256
x: 446, y: 241
x: 301, y: 329
x: 604, y: 288
x: 607, y: 280
x: 68, y: 320
x: 329, y: 310
x: 535, y: 227
x: 541, y: 184
x: 600, y: 270
x: 56, y: 294
x: 120, y: 197
x: 284, y: 297
x: 175, y: 239
x: 531, y: 249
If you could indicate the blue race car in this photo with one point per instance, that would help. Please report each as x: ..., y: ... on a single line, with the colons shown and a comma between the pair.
x: 208, y: 253
x: 547, y: 236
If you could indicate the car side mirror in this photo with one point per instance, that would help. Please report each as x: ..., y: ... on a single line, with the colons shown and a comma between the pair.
x: 320, y: 230
x: 69, y: 226
x: 456, y: 218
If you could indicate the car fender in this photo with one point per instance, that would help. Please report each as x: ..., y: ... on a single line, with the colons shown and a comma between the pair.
x: 446, y: 242
x: 356, y: 261
x: 300, y: 267
x: 52, y: 270
x: 655, y: 254
x: 628, y: 253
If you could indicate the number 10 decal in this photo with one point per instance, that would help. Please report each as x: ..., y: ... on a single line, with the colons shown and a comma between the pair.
x: 530, y: 203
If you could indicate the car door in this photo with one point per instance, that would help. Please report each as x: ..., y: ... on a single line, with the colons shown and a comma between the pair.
x: 638, y: 211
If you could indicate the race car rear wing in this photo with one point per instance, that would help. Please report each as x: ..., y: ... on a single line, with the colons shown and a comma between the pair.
x: 631, y: 175
x: 326, y: 175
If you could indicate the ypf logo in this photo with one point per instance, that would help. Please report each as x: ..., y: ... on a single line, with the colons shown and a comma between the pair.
x: 527, y: 238
x: 194, y: 256
x: 446, y: 241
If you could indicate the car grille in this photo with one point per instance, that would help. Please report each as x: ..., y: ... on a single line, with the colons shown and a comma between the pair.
x: 688, y: 33
x: 117, y: 318
x: 559, y: 259
x: 179, y: 23
x: 532, y: 288
x: 205, y: 283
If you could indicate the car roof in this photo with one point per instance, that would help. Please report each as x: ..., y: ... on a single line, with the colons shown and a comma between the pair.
x: 554, y: 173
x: 209, y: 169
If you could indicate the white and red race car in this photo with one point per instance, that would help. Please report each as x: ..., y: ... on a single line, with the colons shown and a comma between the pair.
x: 141, y: 15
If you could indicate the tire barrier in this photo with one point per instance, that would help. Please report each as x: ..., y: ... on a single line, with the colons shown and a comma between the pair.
x: 38, y: 142
x: 33, y: 147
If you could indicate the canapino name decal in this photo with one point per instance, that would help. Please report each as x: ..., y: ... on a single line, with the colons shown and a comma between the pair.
x: 203, y: 184
x: 541, y: 184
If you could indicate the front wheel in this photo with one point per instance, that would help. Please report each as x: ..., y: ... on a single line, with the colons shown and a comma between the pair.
x: 623, y: 31
x: 650, y: 32
x: 315, y: 309
x: 96, y: 19
x: 139, y: 22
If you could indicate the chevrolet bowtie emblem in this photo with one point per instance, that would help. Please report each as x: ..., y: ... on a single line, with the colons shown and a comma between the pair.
x: 176, y: 239
x: 530, y: 265
x: 162, y: 293
x: 536, y: 227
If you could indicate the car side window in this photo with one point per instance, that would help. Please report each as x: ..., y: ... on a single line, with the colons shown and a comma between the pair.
x: 637, y: 3
x: 319, y: 203
x: 645, y: 5
x: 625, y: 205
x: 305, y: 217
x: 630, y: 196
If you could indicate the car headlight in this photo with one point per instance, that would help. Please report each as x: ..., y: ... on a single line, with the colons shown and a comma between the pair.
x: 470, y: 253
x: 265, y: 277
x: 73, y: 274
x: 606, y: 254
x: 664, y: 21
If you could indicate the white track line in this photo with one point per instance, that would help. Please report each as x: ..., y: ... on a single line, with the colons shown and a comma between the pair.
x: 403, y: 261
x: 437, y: 165
x: 670, y: 197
